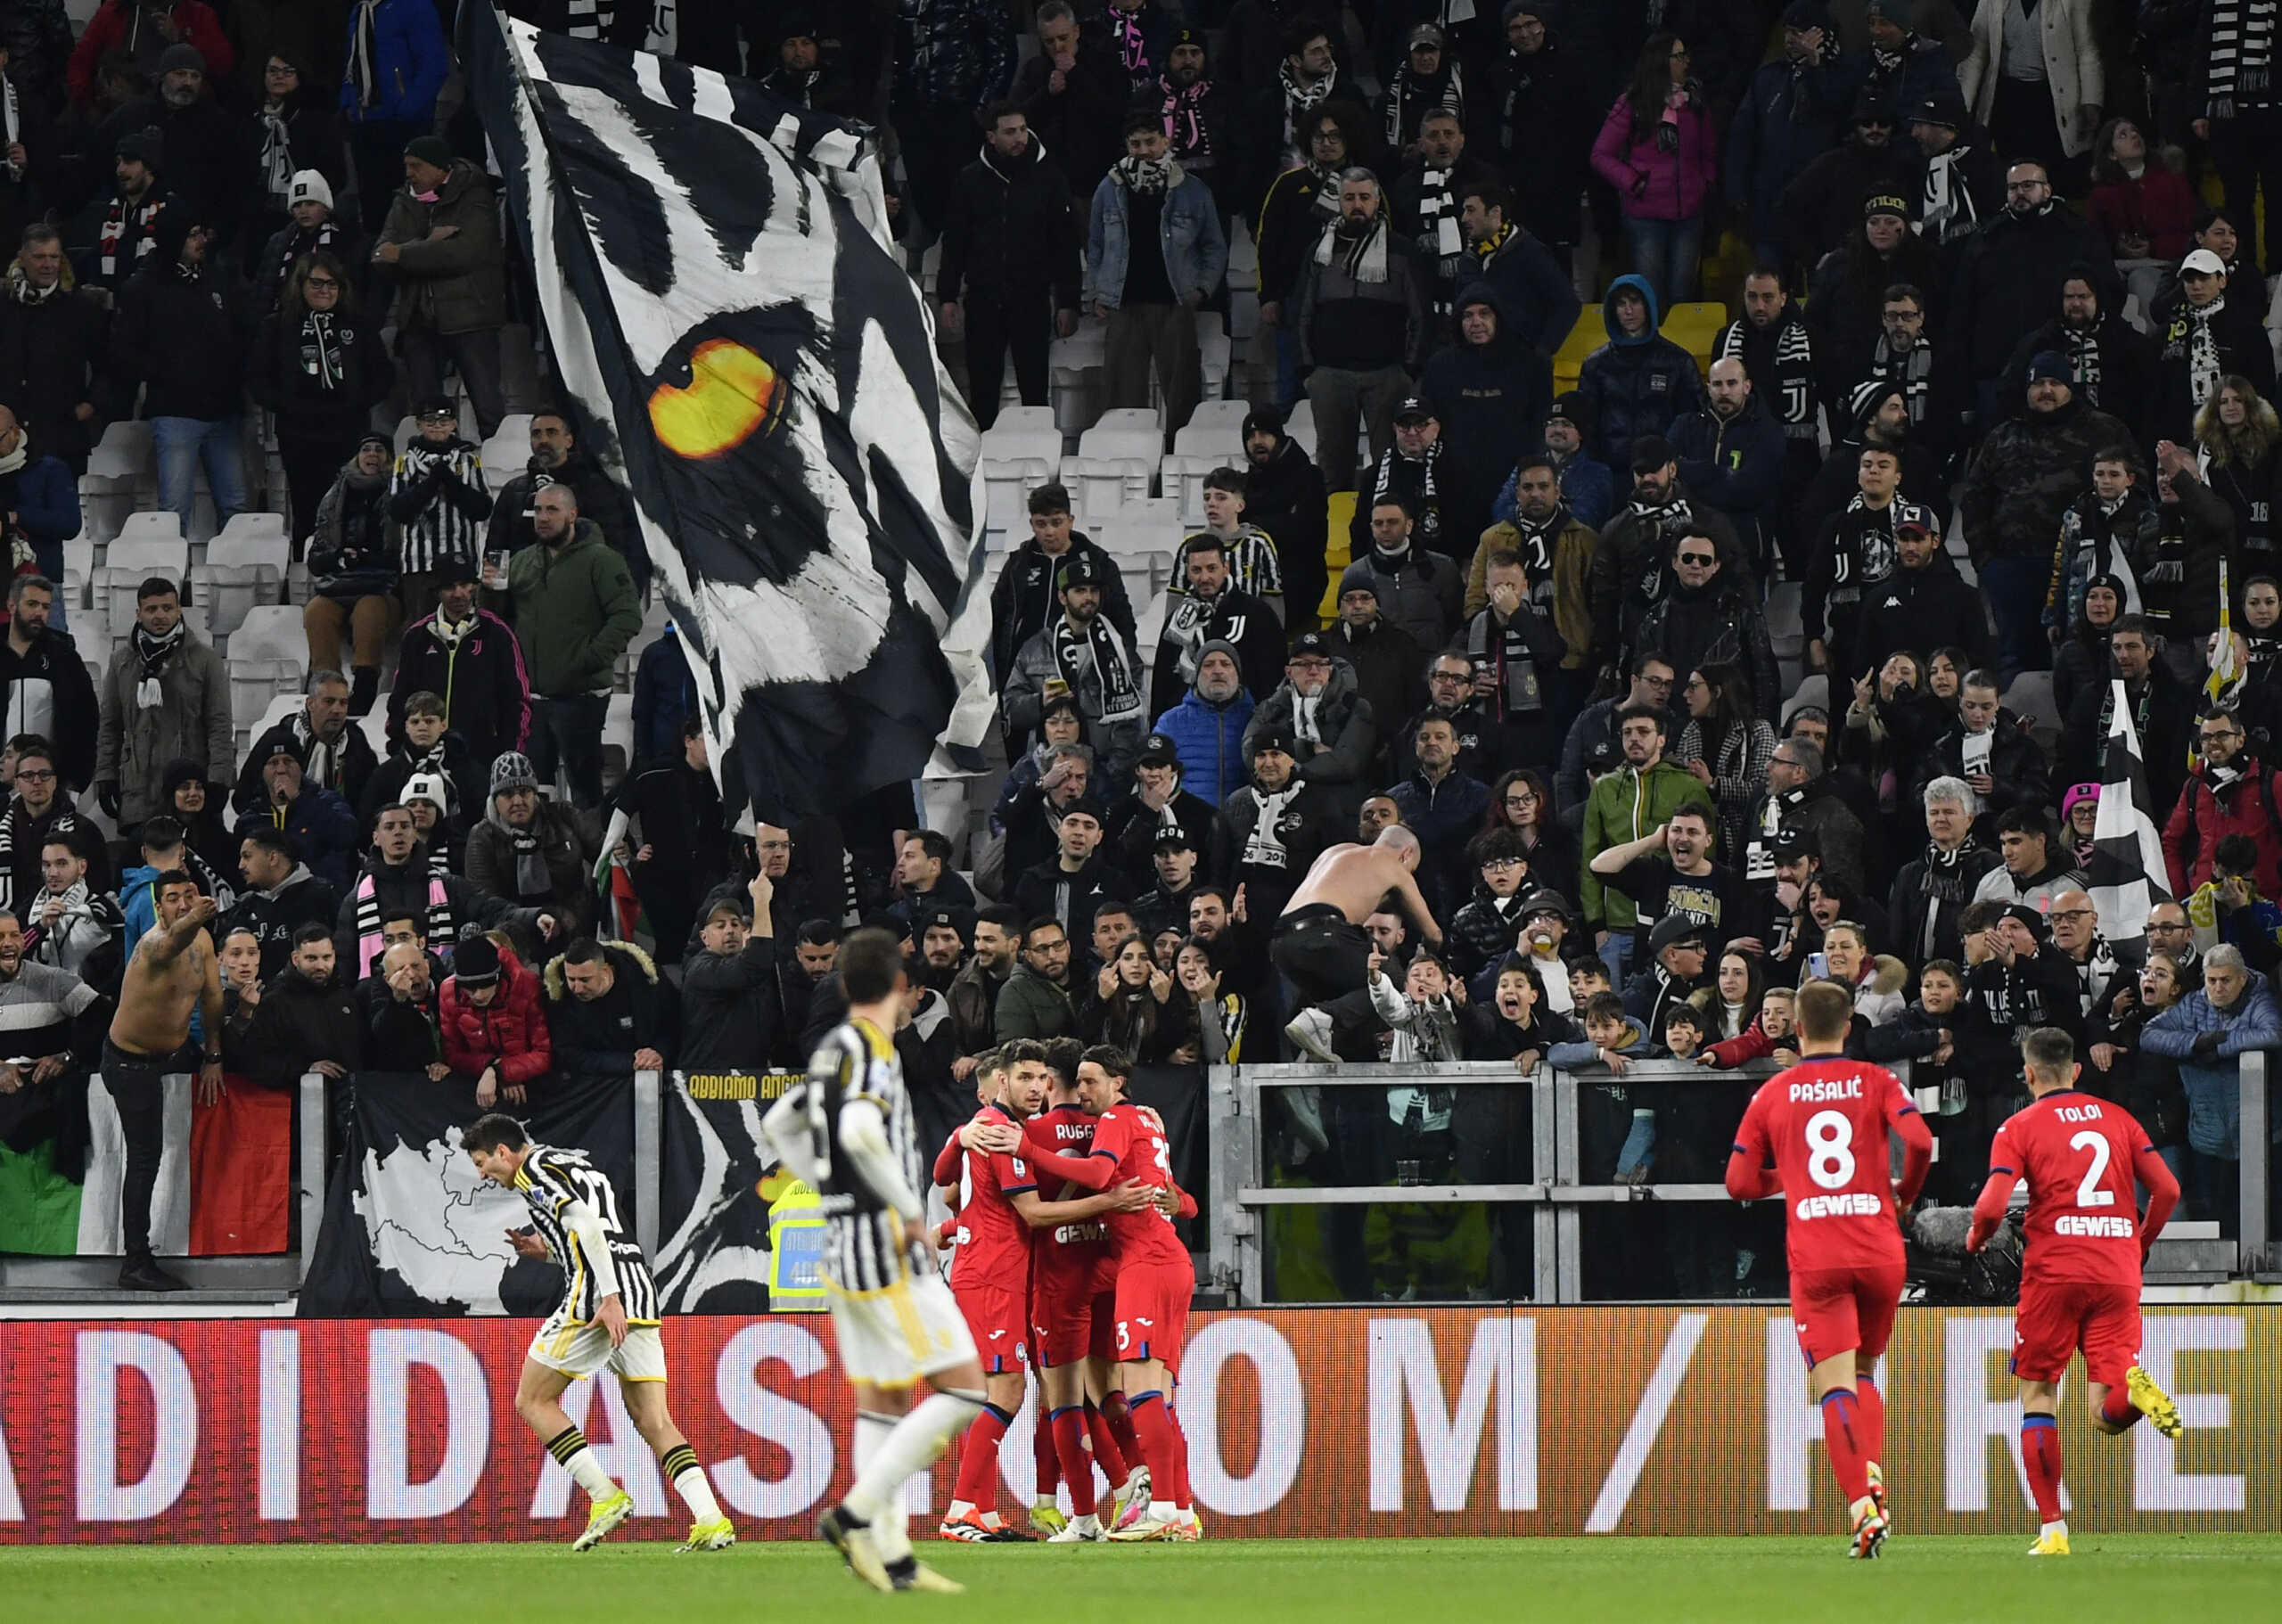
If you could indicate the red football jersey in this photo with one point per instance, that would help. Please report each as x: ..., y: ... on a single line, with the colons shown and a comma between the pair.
x: 993, y: 1242
x: 1065, y: 1257
x: 2081, y: 1158
x: 1134, y: 1140
x: 1822, y: 1124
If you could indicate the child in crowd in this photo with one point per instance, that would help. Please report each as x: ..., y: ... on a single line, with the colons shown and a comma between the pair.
x: 1768, y: 1037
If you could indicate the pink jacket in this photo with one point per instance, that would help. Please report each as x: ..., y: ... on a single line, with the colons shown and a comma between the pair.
x: 1677, y: 182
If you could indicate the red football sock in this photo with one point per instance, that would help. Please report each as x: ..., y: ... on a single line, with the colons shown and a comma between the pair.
x: 2040, y: 1455
x: 2119, y: 1411
x: 1152, y: 1422
x: 978, y: 1479
x: 1108, y: 1453
x: 1119, y: 1414
x: 1180, y: 1466
x: 1844, y: 1430
x: 1872, y: 1404
x: 1067, y: 1430
x: 1044, y: 1454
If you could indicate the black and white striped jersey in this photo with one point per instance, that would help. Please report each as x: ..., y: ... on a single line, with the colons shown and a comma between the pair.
x: 551, y: 1180
x: 859, y: 1060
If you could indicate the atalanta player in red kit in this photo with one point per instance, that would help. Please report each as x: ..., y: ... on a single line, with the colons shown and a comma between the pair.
x: 1817, y: 1132
x: 1154, y: 1280
x: 2084, y: 1160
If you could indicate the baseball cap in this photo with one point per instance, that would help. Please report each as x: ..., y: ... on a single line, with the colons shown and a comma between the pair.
x: 1425, y: 34
x: 1939, y: 110
x: 1793, y: 841
x: 1312, y: 644
x: 437, y: 405
x: 1158, y: 750
x: 1413, y: 409
x: 2204, y: 260
x: 1079, y: 569
x: 1673, y: 928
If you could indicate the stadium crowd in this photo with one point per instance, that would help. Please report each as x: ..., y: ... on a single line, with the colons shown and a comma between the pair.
x: 1990, y: 429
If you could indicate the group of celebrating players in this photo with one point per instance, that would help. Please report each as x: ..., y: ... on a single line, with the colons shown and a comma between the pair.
x: 1065, y: 1258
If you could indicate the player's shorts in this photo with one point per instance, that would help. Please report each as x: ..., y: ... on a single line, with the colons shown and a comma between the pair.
x: 998, y: 1321
x: 1151, y: 1312
x: 580, y: 1348
x: 1078, y: 1326
x: 1834, y: 1309
x: 894, y: 1336
x: 2056, y: 1317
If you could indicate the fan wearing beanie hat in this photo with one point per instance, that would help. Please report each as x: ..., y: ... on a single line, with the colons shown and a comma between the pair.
x: 451, y: 291
x: 530, y: 851
x: 1283, y: 496
x: 310, y: 224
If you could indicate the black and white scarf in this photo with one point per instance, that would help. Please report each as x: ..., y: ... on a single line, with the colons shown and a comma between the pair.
x: 589, y: 18
x: 143, y: 216
x: 2084, y: 361
x: 61, y: 821
x: 321, y: 349
x: 1911, y: 371
x: 1663, y: 517
x: 1150, y: 177
x: 2202, y: 364
x: 1865, y: 551
x: 1100, y: 647
x: 1439, y: 235
x: 325, y: 238
x: 1946, y: 208
x: 24, y: 290
x: 154, y: 653
x: 1299, y: 101
x: 275, y: 158
x: 1948, y: 883
x: 1264, y: 845
x: 1426, y: 498
x: 1186, y: 130
x: 1444, y: 90
x: 324, y: 761
x: 2241, y: 54
x: 1507, y: 649
x: 13, y: 114
x: 1537, y: 544
x: 1363, y: 258
x: 364, y: 56
x: 1326, y: 198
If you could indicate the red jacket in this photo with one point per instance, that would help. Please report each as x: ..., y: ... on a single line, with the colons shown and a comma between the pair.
x: 2158, y: 206
x: 1751, y: 1044
x: 107, y: 30
x: 509, y: 1031
x: 2204, y: 816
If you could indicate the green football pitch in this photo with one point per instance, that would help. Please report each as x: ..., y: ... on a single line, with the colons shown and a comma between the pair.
x: 1952, y: 1579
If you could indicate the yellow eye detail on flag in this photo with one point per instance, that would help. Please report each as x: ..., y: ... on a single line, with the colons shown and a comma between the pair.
x: 732, y: 394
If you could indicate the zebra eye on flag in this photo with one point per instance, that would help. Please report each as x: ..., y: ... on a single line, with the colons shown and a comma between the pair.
x: 2128, y: 873
x: 722, y: 298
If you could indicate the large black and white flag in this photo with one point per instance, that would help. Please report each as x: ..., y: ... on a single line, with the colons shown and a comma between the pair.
x: 723, y: 301
x: 713, y: 1240
x: 2128, y: 873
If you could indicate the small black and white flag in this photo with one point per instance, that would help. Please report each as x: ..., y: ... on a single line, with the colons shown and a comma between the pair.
x: 725, y: 305
x: 2128, y: 876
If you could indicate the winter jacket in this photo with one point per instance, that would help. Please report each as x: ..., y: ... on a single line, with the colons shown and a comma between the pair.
x: 665, y: 695
x: 2213, y: 1089
x: 2093, y: 541
x: 510, y: 1032
x: 1350, y: 325
x: 1188, y: 236
x: 1716, y: 624
x: 1790, y: 116
x: 2007, y: 275
x: 1539, y: 304
x: 184, y: 341
x: 52, y: 353
x: 134, y: 744
x: 410, y: 62
x: 451, y: 284
x: 1489, y: 398
x: 1023, y: 696
x: 566, y: 844
x: 46, y: 690
x: 1209, y: 739
x: 1387, y: 662
x: 400, y: 1037
x: 2160, y: 206
x: 601, y: 500
x: 1025, y: 601
x: 727, y: 1016
x: 410, y: 887
x: 298, y: 1024
x: 353, y: 763
x: 486, y: 693
x: 1444, y: 816
x: 2179, y: 576
x: 1652, y: 183
x: 1735, y: 466
x: 1346, y: 730
x: 1929, y: 608
x: 1625, y: 805
x: 1303, y: 826
x: 2027, y: 471
x: 1048, y: 890
x: 600, y: 1038
x: 320, y: 826
x: 1235, y: 617
x: 1823, y: 207
x: 1635, y: 385
x: 277, y: 258
x: 1077, y: 124
x: 2239, y: 336
x: 2249, y: 803
x: 1559, y: 564
x: 123, y: 25
x: 2165, y: 724
x: 1298, y: 206
x: 951, y: 55
x: 353, y: 551
x: 576, y: 610
x: 1028, y: 1005
x: 1422, y: 592
x: 2015, y: 763
x: 2071, y: 65
x: 1011, y: 231
x: 1535, y: 120
x: 1779, y: 360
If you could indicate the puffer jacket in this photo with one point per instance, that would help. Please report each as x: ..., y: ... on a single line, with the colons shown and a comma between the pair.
x: 1878, y: 990
x: 1635, y: 385
x: 410, y: 62
x: 2213, y: 1088
x: 1736, y: 467
x: 1677, y: 182
x: 951, y: 53
x: 2204, y: 815
x: 1347, y: 734
x: 1208, y: 740
x: 509, y: 1032
x: 1011, y: 231
x: 1028, y: 1005
x: 1490, y: 398
x: 1791, y: 114
x: 352, y: 551
x: 457, y: 283
x: 602, y: 1037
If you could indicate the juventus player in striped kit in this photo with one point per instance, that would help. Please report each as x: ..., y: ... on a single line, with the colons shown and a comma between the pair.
x: 847, y: 1133
x: 607, y: 1319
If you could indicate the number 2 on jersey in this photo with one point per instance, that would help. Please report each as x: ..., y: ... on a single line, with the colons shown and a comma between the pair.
x: 1830, y: 1139
x: 2088, y: 1193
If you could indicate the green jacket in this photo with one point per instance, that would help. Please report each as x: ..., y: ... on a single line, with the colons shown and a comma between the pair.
x: 1031, y: 1006
x: 457, y: 283
x: 1624, y: 806
x: 576, y: 610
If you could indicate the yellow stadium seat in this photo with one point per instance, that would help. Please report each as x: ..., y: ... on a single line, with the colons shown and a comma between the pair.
x: 1588, y: 335
x: 1695, y: 328
x: 1337, y: 554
